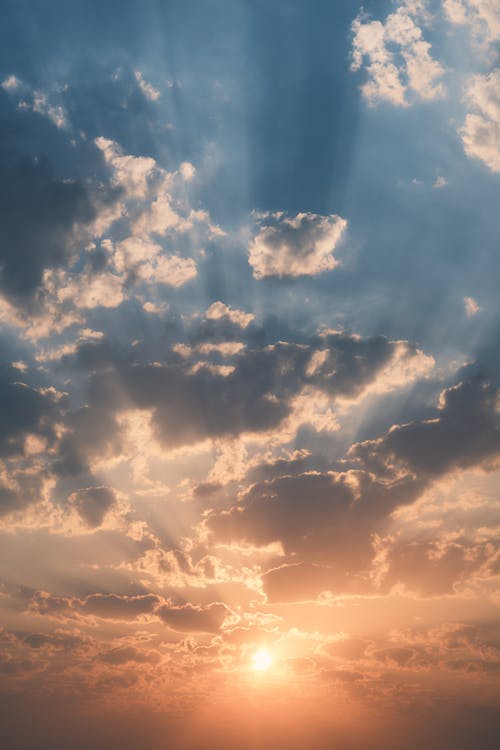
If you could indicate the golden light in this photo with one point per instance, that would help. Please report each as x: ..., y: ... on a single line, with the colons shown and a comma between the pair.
x: 261, y: 660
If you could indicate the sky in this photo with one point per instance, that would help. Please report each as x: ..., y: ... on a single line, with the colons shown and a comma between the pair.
x: 249, y: 376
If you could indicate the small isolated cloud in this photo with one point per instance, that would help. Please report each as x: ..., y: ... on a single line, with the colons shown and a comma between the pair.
x: 55, y: 112
x: 147, y: 89
x: 397, y: 58
x: 439, y: 182
x: 219, y: 311
x: 480, y: 132
x: 11, y: 83
x: 301, y: 245
x: 93, y: 503
x: 471, y: 306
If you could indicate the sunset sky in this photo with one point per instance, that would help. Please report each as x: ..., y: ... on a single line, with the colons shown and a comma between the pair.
x: 250, y: 374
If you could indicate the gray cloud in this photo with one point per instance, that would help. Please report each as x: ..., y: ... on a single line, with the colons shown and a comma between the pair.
x: 106, y: 606
x: 329, y: 519
x: 25, y: 411
x: 93, y: 503
x: 190, y: 618
x: 464, y: 433
x: 40, y: 216
x: 191, y: 401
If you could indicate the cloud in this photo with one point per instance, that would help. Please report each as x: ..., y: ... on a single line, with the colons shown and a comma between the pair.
x: 89, y: 432
x: 26, y: 411
x: 465, y: 433
x: 143, y: 259
x: 42, y: 106
x: 29, y: 428
x: 330, y: 523
x: 191, y: 401
x: 219, y: 311
x: 11, y: 83
x: 42, y: 217
x: 20, y: 488
x: 147, y: 89
x: 125, y: 654
x: 103, y: 606
x: 189, y: 618
x: 118, y: 607
x: 482, y: 17
x: 132, y: 173
x: 327, y: 520
x: 392, y: 75
x: 480, y: 132
x: 435, y: 567
x: 38, y: 101
x: 440, y: 182
x: 301, y: 245
x: 93, y: 503
x: 97, y: 290
x: 149, y: 199
x: 471, y: 306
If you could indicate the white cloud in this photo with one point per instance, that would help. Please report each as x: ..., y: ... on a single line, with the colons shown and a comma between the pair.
x: 37, y: 101
x: 54, y: 112
x: 471, y: 306
x: 480, y: 132
x: 148, y: 201
x: 102, y: 290
x: 132, y: 173
x: 160, y: 216
x: 134, y: 250
x: 145, y: 258
x: 440, y: 182
x: 173, y: 270
x: 481, y: 16
x: 147, y: 89
x: 302, y: 245
x: 11, y: 83
x: 398, y: 59
x: 218, y: 310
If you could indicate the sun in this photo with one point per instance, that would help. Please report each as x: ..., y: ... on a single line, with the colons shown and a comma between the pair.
x: 261, y: 660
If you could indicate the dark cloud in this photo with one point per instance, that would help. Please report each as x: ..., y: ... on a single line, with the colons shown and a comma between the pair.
x: 90, y: 432
x: 93, y: 503
x: 330, y: 519
x: 106, y: 606
x: 327, y: 518
x: 436, y: 567
x: 116, y: 607
x: 40, y: 216
x: 24, y: 488
x: 58, y: 640
x: 464, y: 433
x: 192, y: 403
x: 190, y: 618
x: 24, y: 411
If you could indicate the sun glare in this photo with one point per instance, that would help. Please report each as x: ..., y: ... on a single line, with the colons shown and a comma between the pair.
x: 261, y: 660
